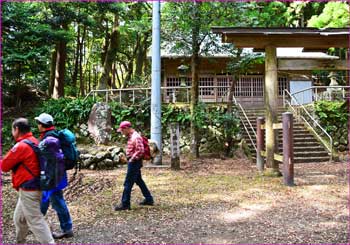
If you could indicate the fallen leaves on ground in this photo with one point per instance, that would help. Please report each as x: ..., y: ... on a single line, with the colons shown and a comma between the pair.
x: 211, y: 200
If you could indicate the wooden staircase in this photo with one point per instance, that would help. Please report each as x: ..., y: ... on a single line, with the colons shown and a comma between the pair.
x: 306, y: 147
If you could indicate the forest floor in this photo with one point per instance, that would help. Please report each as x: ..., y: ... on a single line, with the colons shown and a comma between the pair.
x: 211, y: 200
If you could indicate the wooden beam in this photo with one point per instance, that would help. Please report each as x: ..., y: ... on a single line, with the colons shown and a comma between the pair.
x: 309, y: 65
x: 289, y: 41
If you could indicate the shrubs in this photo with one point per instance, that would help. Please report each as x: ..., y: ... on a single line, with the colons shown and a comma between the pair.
x: 67, y: 112
x: 333, y: 116
x: 214, y: 123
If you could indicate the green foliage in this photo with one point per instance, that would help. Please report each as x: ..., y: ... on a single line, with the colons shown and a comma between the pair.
x: 335, y: 14
x: 212, y: 121
x: 215, y: 123
x: 243, y: 64
x: 180, y: 20
x: 67, y: 112
x: 299, y: 12
x: 6, y: 135
x: 264, y: 14
x: 138, y: 115
x: 332, y: 115
x: 25, y: 46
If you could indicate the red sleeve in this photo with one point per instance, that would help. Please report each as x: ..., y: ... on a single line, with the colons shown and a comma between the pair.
x: 16, y: 155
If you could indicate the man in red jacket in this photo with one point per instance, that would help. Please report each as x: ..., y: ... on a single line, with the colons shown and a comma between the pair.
x: 23, y: 162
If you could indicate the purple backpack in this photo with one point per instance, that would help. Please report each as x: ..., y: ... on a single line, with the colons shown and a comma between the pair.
x: 51, y: 160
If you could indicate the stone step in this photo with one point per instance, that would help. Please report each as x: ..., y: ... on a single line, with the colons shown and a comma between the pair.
x: 296, y: 134
x: 295, y: 125
x: 296, y: 130
x: 306, y: 147
x: 310, y: 159
x: 304, y: 160
x: 308, y: 154
x: 253, y: 118
x: 306, y: 143
x: 296, y: 138
x: 315, y: 147
x: 306, y: 137
x: 302, y: 152
x: 300, y: 128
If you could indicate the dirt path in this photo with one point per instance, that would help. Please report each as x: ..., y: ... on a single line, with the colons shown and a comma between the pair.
x: 209, y: 201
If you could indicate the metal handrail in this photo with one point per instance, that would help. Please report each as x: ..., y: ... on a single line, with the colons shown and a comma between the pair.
x: 316, y: 87
x: 312, y: 88
x: 246, y: 117
x: 329, y: 147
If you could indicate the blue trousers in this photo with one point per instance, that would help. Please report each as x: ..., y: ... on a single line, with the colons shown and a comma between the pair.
x: 59, y: 205
x: 133, y: 175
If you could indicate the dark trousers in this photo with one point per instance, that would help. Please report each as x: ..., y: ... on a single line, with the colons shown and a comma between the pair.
x: 133, y: 175
x: 59, y: 205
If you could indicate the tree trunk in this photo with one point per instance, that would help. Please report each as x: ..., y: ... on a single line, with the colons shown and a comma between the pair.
x: 58, y: 89
x: 114, y: 71
x: 76, y: 60
x: 110, y: 55
x: 130, y: 69
x: 233, y: 84
x: 81, y: 56
x: 195, y: 80
x: 140, y: 55
x: 18, y: 87
x: 52, y: 71
x: 193, y: 106
x: 89, y: 79
x: 229, y: 139
x: 106, y: 44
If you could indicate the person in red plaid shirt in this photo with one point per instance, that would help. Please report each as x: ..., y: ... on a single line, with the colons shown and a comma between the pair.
x: 134, y: 154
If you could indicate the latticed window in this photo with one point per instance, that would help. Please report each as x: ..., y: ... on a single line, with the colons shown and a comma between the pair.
x: 282, y: 85
x: 172, y: 81
x: 243, y: 87
x: 206, y: 81
x: 257, y: 86
x: 246, y: 86
x: 224, y: 83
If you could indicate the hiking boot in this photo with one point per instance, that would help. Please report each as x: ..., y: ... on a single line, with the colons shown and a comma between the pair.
x: 147, y: 203
x: 121, y: 207
x: 64, y: 234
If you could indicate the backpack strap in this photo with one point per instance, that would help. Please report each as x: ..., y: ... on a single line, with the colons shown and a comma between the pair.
x: 35, y: 149
x: 52, y: 133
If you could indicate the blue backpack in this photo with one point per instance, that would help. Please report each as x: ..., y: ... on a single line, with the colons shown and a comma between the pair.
x: 69, y: 148
x: 68, y: 145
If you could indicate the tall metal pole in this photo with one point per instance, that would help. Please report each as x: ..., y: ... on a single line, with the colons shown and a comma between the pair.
x: 156, y: 109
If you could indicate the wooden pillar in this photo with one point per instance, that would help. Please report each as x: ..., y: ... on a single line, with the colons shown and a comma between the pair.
x: 348, y: 99
x: 259, y: 143
x: 175, y: 146
x: 288, y: 155
x: 271, y: 98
